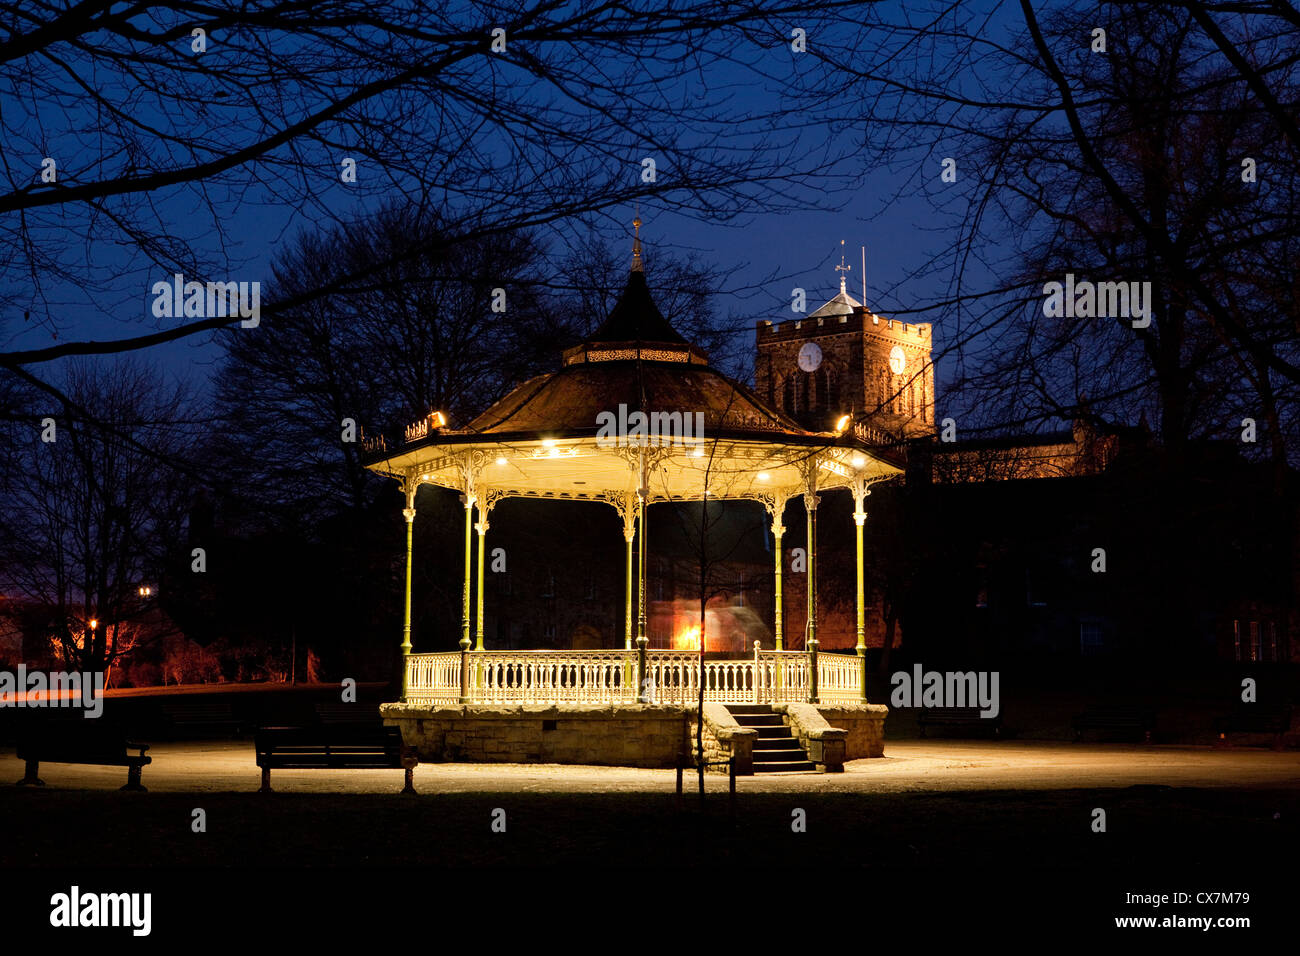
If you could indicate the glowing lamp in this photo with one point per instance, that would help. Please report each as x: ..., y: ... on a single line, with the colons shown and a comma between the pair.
x: 687, y: 639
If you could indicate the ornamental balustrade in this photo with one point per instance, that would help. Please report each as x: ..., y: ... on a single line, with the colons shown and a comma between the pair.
x: 610, y: 677
x: 839, y: 677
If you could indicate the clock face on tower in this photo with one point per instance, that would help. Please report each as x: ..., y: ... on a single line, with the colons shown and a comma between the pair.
x: 810, y: 356
x: 897, y: 360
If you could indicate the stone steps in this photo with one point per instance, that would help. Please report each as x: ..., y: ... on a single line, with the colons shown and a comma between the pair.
x: 771, y: 733
x: 794, y: 766
x: 775, y: 750
x: 760, y: 709
x: 759, y: 720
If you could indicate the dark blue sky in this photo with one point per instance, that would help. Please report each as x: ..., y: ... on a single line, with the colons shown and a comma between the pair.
x: 766, y: 253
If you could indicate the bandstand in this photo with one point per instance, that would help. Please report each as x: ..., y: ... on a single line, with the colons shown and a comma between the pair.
x: 634, y: 416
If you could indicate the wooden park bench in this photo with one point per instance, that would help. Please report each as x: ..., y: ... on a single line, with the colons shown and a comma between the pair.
x: 1116, y: 718
x: 342, y: 747
x: 84, y: 741
x: 204, y: 718
x: 962, y: 718
x: 1256, y: 719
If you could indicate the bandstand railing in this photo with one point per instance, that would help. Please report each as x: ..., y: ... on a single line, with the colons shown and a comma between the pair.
x: 839, y: 677
x: 611, y: 677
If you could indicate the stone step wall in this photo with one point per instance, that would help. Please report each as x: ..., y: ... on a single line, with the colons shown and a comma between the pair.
x: 724, y: 738
x: 863, y: 724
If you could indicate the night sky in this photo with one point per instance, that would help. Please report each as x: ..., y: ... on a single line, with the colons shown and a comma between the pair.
x: 766, y: 254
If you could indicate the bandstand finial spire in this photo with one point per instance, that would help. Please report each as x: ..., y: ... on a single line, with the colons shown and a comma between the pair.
x: 637, y: 264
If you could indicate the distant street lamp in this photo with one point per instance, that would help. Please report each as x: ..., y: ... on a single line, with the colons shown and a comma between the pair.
x: 145, y: 591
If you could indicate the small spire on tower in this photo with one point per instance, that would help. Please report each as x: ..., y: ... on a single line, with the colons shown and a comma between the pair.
x: 842, y: 269
x: 637, y: 265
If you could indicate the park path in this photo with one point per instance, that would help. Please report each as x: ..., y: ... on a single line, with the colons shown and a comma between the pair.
x: 909, y: 765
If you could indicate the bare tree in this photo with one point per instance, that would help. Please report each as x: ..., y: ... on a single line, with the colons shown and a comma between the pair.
x: 185, y: 136
x: 299, y: 393
x: 92, y: 516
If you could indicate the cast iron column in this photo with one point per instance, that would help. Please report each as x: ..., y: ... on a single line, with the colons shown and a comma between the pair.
x: 860, y: 519
x: 482, y: 528
x: 810, y: 505
x: 409, y: 514
x: 642, y: 642
x: 778, y: 622
x: 468, y: 500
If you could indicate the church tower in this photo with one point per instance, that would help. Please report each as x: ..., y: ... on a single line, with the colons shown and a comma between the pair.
x: 843, y: 359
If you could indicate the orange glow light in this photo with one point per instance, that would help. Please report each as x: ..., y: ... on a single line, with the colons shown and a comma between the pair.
x: 687, y: 639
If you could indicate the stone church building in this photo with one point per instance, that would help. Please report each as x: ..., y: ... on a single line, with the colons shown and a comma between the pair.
x: 844, y: 359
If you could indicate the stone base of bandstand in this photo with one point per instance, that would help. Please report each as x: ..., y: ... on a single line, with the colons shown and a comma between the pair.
x: 625, y: 735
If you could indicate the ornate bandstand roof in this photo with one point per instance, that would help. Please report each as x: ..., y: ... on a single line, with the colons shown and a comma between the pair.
x: 635, y: 405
